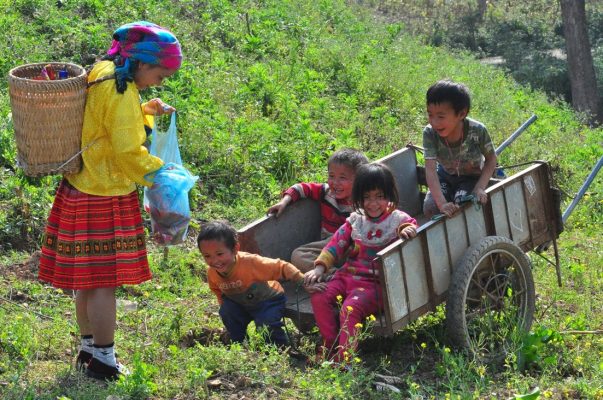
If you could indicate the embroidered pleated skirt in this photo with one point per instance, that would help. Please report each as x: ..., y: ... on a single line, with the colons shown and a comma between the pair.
x: 93, y: 241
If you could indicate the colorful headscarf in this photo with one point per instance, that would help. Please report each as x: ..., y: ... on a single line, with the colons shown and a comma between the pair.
x: 146, y: 42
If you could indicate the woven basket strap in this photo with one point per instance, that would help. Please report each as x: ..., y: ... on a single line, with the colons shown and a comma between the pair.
x: 73, y: 157
x: 99, y: 80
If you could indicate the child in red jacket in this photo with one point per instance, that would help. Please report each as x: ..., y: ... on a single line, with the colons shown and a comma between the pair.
x: 335, y: 199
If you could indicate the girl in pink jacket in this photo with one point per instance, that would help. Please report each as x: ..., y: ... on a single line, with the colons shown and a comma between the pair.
x: 355, y: 286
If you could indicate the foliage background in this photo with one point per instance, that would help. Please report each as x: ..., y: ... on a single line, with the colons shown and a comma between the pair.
x: 524, y: 38
x: 268, y: 90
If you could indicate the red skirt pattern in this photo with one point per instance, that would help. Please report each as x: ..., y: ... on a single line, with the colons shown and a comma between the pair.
x: 93, y: 241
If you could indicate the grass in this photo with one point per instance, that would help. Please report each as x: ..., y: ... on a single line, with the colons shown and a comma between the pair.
x: 268, y: 90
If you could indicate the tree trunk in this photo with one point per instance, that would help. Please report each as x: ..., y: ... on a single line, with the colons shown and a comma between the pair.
x: 585, y: 97
x: 482, y: 7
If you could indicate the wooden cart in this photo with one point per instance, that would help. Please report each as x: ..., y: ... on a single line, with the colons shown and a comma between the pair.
x: 475, y: 261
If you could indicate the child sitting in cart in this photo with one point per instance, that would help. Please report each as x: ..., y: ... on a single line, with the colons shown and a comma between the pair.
x: 375, y: 224
x: 245, y: 284
x: 459, y: 155
x: 335, y: 199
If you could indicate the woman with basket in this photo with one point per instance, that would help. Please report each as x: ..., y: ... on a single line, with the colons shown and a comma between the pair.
x: 94, y: 239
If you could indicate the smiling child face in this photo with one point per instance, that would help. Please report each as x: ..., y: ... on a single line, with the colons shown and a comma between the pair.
x: 374, y: 203
x: 217, y: 255
x: 446, y: 121
x: 341, y: 181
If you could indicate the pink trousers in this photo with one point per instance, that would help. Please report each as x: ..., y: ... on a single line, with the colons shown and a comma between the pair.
x: 361, y: 298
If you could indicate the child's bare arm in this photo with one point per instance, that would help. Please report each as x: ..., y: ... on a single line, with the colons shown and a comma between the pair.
x: 480, y: 187
x: 446, y: 207
x: 279, y: 207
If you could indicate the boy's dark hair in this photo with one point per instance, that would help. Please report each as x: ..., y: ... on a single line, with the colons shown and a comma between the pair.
x: 219, y: 230
x: 370, y: 177
x: 347, y: 156
x: 454, y: 93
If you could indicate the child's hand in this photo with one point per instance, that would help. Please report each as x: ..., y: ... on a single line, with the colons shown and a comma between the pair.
x: 449, y: 209
x: 157, y: 107
x: 316, y: 287
x: 279, y: 207
x: 408, y: 232
x: 314, y: 275
x: 481, y: 196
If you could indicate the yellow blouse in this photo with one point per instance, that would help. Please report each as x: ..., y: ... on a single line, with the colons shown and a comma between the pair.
x: 114, y: 124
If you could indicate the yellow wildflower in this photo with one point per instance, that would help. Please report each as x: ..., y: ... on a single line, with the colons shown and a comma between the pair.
x: 339, y: 298
x: 446, y: 350
x: 423, y: 345
x: 358, y: 325
x: 357, y: 360
x: 349, y: 308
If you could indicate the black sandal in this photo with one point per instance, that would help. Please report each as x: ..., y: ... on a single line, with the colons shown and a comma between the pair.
x: 82, y: 360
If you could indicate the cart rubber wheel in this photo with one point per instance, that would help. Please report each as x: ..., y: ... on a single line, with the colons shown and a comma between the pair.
x: 490, y: 302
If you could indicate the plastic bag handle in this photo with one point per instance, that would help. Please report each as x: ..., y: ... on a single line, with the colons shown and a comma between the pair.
x: 169, y: 151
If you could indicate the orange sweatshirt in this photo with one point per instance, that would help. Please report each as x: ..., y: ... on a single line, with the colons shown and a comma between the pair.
x: 253, y: 279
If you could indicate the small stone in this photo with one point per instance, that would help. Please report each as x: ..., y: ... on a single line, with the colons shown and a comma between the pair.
x: 383, y: 387
x: 214, y: 383
x: 127, y: 305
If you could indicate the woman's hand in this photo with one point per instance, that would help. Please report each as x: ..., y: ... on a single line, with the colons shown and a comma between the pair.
x: 157, y: 107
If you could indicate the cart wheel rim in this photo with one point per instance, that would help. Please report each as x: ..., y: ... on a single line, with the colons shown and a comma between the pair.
x: 491, y: 300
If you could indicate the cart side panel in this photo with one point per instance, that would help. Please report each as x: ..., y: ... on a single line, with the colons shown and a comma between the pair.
x: 439, y: 257
x: 535, y: 185
x: 403, y: 164
x: 393, y: 271
x: 499, y: 210
x: 517, y: 214
x: 405, y: 283
x: 476, y: 227
x: 457, y: 231
x: 521, y: 209
x: 278, y: 237
x: 416, y: 275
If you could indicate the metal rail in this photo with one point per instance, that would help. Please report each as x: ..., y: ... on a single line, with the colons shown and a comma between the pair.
x: 515, y: 134
x: 582, y: 190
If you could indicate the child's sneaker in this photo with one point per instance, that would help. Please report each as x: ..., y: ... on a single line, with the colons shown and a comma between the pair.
x: 101, y: 371
x: 82, y: 360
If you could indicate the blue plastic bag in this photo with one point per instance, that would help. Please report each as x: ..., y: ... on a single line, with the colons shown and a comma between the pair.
x: 167, y: 200
x: 165, y: 145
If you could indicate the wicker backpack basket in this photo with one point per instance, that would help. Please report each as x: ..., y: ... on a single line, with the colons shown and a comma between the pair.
x: 48, y: 117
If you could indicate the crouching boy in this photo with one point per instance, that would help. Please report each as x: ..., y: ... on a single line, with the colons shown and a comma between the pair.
x: 246, y: 284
